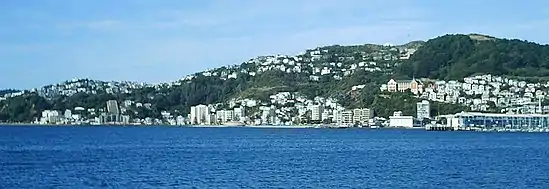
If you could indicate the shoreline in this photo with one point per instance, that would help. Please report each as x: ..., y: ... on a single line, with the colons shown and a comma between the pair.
x: 184, y: 126
x: 260, y: 127
x: 194, y: 126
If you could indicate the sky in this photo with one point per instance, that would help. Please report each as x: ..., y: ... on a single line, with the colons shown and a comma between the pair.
x: 49, y: 41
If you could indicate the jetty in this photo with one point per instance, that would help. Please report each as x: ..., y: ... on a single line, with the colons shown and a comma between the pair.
x: 439, y: 127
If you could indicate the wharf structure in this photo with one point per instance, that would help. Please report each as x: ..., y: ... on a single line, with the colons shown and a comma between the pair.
x: 476, y: 121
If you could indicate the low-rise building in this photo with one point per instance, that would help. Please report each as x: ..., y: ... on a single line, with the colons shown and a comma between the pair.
x: 399, y: 120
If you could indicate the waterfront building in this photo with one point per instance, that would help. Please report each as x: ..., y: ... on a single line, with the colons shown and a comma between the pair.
x: 126, y: 119
x: 113, y: 111
x: 180, y: 120
x: 200, y: 114
x: 68, y: 114
x: 267, y: 115
x: 497, y: 122
x: 347, y: 117
x: 337, y: 118
x: 362, y: 115
x: 399, y: 120
x: 50, y: 117
x: 224, y: 116
x: 423, y: 110
x: 316, y: 112
x: 240, y: 114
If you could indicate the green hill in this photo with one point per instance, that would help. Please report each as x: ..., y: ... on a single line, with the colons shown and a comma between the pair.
x: 329, y: 71
x: 458, y: 56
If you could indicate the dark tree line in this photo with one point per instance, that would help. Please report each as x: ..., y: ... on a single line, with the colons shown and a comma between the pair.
x: 458, y: 56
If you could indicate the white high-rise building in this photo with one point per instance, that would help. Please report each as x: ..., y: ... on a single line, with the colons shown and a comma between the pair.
x: 316, y: 112
x: 200, y: 114
x: 423, y: 110
x: 193, y: 118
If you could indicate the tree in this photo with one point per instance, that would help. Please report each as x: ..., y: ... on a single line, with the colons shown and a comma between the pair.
x: 458, y: 56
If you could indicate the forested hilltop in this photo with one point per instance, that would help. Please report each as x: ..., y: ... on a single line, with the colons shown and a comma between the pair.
x: 459, y: 56
x: 349, y: 75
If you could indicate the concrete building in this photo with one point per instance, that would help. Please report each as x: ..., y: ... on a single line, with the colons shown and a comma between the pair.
x: 112, y: 107
x: 200, y: 114
x: 316, y: 112
x: 50, y: 117
x: 224, y: 116
x: 423, y: 110
x: 399, y: 120
x: 347, y: 117
x: 497, y: 122
x: 337, y: 117
x: 126, y: 119
x: 362, y: 115
x: 113, y: 112
x: 240, y: 114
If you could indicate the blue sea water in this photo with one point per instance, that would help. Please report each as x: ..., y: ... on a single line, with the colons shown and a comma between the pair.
x: 170, y: 157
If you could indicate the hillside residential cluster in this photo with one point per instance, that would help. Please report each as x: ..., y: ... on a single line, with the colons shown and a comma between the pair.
x: 507, y: 97
x: 480, y: 93
x: 285, y: 109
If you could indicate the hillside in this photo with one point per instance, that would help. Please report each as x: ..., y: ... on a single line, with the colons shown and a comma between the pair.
x: 458, y: 56
x: 348, y: 75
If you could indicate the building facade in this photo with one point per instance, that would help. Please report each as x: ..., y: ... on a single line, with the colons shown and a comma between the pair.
x: 362, y: 115
x: 200, y: 114
x: 346, y: 118
x: 423, y: 110
x: 316, y: 112
x: 498, y: 122
x: 224, y: 116
x: 240, y: 114
x: 399, y: 120
x: 113, y: 112
x: 414, y: 85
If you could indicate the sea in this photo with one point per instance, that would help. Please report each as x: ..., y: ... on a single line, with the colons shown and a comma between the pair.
x: 180, y: 157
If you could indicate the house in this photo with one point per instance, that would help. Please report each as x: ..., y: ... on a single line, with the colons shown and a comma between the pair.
x: 413, y: 85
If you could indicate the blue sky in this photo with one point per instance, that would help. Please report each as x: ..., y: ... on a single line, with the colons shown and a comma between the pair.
x: 49, y: 41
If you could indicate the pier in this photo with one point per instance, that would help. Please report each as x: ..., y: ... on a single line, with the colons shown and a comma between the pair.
x: 439, y: 127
